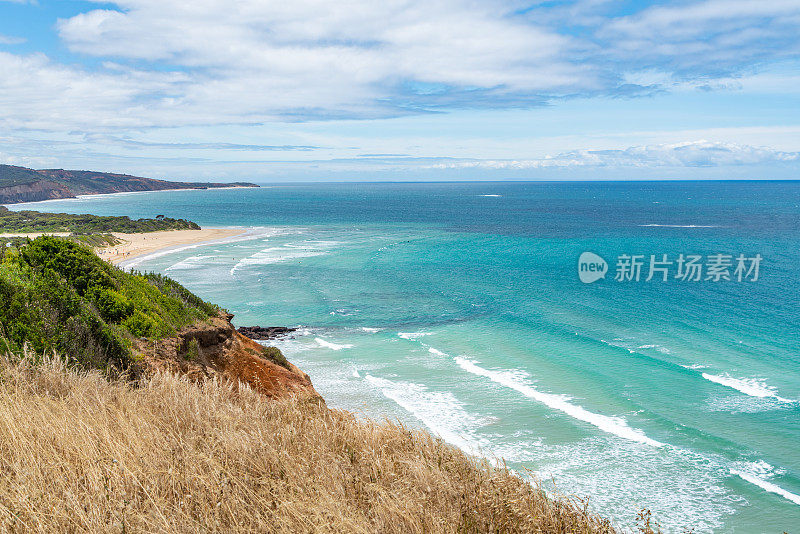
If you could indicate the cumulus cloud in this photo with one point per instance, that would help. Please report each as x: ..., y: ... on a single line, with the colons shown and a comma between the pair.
x: 211, y: 62
x: 706, y: 38
x: 311, y: 58
x: 448, y: 42
x: 687, y: 154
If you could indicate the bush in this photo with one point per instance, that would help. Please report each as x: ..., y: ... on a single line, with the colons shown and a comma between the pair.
x: 193, y: 350
x: 59, y: 296
x: 139, y: 325
x: 34, y: 221
x: 112, y: 305
x: 274, y: 355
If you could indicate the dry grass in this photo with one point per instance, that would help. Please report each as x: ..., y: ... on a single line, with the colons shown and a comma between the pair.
x: 79, y: 453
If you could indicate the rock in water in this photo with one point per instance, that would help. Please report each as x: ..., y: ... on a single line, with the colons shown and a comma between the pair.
x: 261, y: 333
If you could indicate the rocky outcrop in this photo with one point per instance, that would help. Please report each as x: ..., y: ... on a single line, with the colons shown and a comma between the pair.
x: 33, y: 192
x: 262, y: 333
x: 215, y: 349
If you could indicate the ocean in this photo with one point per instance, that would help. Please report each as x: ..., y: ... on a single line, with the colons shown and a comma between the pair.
x: 458, y: 307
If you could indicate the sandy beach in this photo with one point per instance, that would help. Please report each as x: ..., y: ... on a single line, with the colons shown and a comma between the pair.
x: 134, y: 245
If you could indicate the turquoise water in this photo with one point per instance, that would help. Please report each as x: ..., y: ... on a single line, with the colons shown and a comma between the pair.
x: 458, y: 308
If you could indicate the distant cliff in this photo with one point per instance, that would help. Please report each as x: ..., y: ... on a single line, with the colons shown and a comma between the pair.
x: 20, y: 184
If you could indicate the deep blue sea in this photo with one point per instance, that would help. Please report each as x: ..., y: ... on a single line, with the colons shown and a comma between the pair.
x: 457, y: 307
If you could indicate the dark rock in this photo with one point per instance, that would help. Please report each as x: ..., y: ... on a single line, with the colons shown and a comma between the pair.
x: 263, y: 333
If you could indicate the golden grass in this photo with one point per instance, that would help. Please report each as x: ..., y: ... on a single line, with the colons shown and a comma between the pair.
x: 79, y: 453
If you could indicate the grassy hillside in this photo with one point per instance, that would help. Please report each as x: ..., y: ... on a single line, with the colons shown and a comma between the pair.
x: 81, y: 454
x: 34, y: 221
x: 57, y: 295
x: 11, y: 175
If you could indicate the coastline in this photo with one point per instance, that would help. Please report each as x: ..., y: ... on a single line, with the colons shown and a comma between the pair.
x: 134, y: 246
x: 137, y: 245
x: 85, y: 196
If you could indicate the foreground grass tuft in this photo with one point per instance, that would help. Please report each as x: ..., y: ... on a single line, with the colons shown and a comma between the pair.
x: 79, y: 453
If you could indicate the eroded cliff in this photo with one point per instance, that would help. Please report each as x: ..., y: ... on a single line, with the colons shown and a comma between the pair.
x: 214, y: 349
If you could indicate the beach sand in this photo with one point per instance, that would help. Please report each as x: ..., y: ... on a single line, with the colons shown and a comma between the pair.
x: 134, y: 245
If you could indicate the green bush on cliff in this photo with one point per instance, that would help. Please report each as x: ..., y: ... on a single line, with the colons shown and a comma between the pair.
x: 57, y: 295
x: 274, y: 355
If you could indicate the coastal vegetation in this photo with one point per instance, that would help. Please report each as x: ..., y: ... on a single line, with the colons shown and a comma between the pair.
x: 34, y: 221
x: 58, y: 296
x: 11, y: 175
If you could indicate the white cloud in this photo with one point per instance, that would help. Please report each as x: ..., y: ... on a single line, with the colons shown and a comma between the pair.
x: 10, y: 40
x: 706, y: 38
x: 335, y: 56
x: 686, y: 154
x: 210, y: 62
x: 36, y: 93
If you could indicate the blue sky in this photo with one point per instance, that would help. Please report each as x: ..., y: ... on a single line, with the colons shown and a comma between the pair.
x: 403, y: 89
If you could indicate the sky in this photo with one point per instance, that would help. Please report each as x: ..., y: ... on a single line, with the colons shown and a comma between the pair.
x: 311, y: 90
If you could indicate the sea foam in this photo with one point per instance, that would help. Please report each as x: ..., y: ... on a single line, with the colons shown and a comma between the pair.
x: 755, y: 387
x: 286, y: 252
x: 680, y: 225
x: 333, y: 346
x: 412, y: 335
x: 192, y: 262
x: 612, y: 425
x: 440, y: 411
x: 272, y: 255
x: 767, y: 486
x: 250, y: 235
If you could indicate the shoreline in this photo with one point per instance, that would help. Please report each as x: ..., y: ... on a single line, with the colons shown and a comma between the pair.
x: 135, y: 246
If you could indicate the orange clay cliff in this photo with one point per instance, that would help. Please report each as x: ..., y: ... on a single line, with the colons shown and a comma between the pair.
x: 214, y: 349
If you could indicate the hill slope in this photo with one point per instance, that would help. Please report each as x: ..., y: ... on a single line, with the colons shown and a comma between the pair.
x: 20, y: 184
x: 57, y: 296
x: 82, y: 454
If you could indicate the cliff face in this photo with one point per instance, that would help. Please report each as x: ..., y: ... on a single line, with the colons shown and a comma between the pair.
x: 214, y: 349
x: 32, y: 192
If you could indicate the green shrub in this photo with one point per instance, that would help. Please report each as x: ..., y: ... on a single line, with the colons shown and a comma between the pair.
x: 140, y: 325
x: 59, y: 296
x: 193, y: 350
x: 274, y: 355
